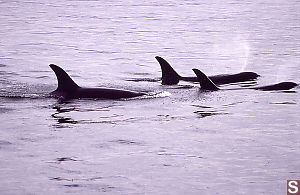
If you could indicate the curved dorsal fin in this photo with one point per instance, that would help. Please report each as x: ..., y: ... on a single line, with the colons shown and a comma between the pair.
x: 205, y: 82
x: 65, y: 83
x: 169, y: 75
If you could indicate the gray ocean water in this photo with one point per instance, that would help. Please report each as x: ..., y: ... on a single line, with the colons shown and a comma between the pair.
x: 179, y: 140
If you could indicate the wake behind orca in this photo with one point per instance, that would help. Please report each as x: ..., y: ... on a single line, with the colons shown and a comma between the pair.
x: 207, y: 84
x: 68, y: 89
x: 171, y: 77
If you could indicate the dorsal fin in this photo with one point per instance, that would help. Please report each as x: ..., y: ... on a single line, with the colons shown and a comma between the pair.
x: 169, y: 75
x: 65, y: 83
x: 205, y: 82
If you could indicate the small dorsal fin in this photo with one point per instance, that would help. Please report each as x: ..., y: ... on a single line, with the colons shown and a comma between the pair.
x: 169, y: 75
x: 205, y: 82
x: 65, y: 83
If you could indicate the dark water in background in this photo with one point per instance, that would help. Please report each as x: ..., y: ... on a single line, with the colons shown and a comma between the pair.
x: 181, y: 142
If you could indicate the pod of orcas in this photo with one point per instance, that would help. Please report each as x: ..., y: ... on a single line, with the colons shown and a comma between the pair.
x: 207, y: 84
x: 171, y: 77
x: 68, y: 89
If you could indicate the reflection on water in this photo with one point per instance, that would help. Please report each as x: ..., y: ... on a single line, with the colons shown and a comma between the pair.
x: 63, y: 120
x: 126, y: 142
x: 4, y: 110
x: 203, y: 114
x: 65, y: 111
x: 4, y: 144
x: 205, y: 111
x: 65, y: 159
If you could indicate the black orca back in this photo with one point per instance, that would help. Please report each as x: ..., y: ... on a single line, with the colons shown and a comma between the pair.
x: 233, y: 78
x: 278, y: 86
x: 68, y: 89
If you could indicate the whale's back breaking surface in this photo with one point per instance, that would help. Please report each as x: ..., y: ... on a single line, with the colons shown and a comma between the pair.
x: 171, y: 77
x: 68, y: 89
x: 105, y: 93
x: 278, y: 86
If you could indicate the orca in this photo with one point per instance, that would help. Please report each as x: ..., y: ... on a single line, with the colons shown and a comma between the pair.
x: 207, y: 84
x: 68, y: 89
x: 171, y: 77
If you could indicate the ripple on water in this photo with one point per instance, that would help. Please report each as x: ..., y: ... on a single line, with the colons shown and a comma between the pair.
x: 4, y: 110
x: 92, y: 186
x: 126, y: 142
x: 284, y: 103
x: 144, y: 79
x: 67, y: 115
x: 4, y: 143
x: 205, y: 111
x: 65, y: 159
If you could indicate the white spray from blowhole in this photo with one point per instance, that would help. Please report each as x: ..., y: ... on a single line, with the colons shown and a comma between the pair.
x: 233, y: 54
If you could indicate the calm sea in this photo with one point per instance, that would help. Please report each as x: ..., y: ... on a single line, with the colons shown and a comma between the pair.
x: 179, y: 140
